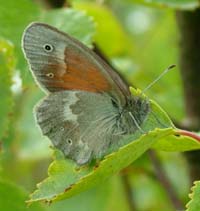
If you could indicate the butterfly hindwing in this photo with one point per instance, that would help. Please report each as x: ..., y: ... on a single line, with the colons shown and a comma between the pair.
x: 82, y: 125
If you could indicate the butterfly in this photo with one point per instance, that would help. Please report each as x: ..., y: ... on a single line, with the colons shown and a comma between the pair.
x: 88, y: 109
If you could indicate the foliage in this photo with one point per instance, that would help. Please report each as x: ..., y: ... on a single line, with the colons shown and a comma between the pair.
x: 194, y: 203
x: 7, y: 64
x: 13, y: 198
x: 184, y: 4
x: 139, y: 41
x: 73, y: 25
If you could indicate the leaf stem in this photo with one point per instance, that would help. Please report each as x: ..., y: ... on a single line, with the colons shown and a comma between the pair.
x: 190, y: 134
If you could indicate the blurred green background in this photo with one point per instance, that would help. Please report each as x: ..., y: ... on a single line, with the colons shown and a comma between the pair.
x: 140, y: 41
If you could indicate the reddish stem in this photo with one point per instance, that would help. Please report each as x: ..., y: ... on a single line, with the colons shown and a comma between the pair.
x: 190, y: 134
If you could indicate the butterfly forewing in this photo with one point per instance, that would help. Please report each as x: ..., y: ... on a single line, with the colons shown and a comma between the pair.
x: 59, y: 62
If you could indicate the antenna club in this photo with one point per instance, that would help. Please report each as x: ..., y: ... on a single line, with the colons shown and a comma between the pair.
x: 158, y: 78
x: 171, y: 66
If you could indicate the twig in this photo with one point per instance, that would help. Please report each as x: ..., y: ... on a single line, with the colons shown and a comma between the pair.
x: 128, y: 190
x: 188, y: 23
x: 164, y: 181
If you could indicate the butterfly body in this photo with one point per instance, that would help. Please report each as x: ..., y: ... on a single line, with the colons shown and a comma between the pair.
x: 89, y: 109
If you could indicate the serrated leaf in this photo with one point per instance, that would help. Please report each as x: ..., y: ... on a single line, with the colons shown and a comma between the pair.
x: 65, y: 181
x: 100, y: 198
x: 13, y: 198
x: 75, y: 23
x: 108, y: 28
x: 176, y: 4
x: 194, y: 203
x: 7, y: 62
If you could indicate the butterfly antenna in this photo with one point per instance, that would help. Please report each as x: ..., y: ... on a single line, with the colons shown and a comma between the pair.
x: 158, y: 78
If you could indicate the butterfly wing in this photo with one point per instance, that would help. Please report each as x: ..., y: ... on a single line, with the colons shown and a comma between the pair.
x: 81, y: 125
x: 60, y: 62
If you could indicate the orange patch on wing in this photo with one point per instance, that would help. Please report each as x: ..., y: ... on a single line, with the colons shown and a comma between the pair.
x: 80, y: 74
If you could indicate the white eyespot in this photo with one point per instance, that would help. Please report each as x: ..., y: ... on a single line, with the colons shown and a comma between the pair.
x: 62, y: 128
x: 48, y: 47
x: 50, y: 75
x: 69, y: 141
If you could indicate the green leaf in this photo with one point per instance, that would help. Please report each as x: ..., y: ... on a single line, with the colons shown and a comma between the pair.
x: 101, y: 198
x: 31, y: 145
x: 194, y: 203
x: 108, y: 28
x: 176, y: 4
x: 13, y: 198
x: 65, y: 180
x: 14, y: 17
x: 74, y: 22
x: 7, y: 63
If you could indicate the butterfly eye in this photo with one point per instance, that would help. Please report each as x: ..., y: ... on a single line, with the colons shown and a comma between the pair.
x: 48, y: 48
